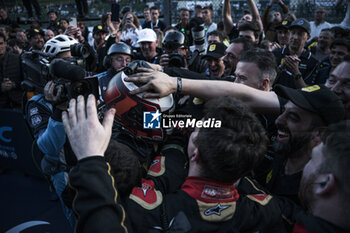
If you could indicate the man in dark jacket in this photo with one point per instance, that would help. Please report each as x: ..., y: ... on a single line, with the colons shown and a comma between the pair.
x: 208, y: 200
x: 10, y: 77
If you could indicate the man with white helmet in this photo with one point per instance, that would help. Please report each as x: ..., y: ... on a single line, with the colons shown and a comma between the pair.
x: 43, y: 114
x: 59, y: 46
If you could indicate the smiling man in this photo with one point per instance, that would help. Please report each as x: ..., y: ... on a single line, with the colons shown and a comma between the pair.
x: 296, y: 64
x: 339, y: 83
x: 304, y: 117
x: 214, y: 57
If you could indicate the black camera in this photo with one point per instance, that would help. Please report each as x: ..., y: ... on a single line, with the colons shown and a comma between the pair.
x: 131, y: 68
x: 80, y: 50
x: 176, y: 59
x: 35, y: 71
x: 72, y: 79
x: 73, y: 89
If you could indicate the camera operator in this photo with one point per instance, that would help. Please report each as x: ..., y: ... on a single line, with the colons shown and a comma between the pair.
x: 176, y: 52
x: 43, y: 114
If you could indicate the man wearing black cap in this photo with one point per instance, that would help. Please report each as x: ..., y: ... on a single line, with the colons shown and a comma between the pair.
x: 214, y: 57
x: 295, y: 63
x: 99, y: 34
x: 283, y: 33
x: 54, y: 25
x: 305, y: 115
x: 36, y: 39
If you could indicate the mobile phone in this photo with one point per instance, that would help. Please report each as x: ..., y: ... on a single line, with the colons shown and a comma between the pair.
x: 115, y: 12
x: 73, y: 22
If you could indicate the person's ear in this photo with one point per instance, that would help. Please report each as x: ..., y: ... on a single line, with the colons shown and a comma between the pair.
x: 266, y: 84
x: 316, y: 136
x: 326, y: 185
x: 196, y: 156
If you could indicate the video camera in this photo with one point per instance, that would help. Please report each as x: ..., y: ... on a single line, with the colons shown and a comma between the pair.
x: 39, y: 68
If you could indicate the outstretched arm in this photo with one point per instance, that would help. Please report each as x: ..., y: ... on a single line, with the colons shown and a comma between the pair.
x: 226, y: 17
x: 255, y: 14
x: 158, y: 84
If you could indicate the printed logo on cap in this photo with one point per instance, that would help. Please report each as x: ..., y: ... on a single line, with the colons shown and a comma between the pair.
x: 212, y: 47
x: 300, y: 22
x: 311, y: 88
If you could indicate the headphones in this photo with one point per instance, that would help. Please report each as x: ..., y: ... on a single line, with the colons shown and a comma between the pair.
x: 119, y: 47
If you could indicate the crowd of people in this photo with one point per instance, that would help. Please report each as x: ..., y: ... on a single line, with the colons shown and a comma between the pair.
x: 279, y: 85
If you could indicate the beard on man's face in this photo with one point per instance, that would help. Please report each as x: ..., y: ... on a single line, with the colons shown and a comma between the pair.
x: 295, y: 144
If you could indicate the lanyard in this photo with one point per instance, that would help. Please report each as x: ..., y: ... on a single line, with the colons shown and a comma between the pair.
x: 154, y: 25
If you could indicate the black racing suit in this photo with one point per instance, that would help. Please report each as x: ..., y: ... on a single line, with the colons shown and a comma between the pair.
x: 202, y: 205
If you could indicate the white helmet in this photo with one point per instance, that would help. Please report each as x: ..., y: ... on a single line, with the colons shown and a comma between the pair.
x: 59, y: 44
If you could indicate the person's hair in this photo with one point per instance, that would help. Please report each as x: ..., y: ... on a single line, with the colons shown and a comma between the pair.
x: 264, y: 44
x: 336, y: 157
x: 247, y: 44
x: 209, y: 7
x: 125, y: 167
x: 13, y: 42
x: 231, y: 151
x: 263, y: 59
x: 339, y: 32
x: 249, y: 26
x: 154, y: 8
x: 136, y: 20
x: 216, y: 33
x: 198, y: 7
x: 341, y: 42
x: 2, y: 35
x: 64, y: 19
x: 146, y: 9
x: 328, y: 30
x: 169, y: 28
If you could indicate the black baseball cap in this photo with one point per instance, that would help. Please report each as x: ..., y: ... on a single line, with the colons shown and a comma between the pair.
x: 301, y: 23
x: 283, y: 25
x: 99, y: 28
x: 215, y: 50
x: 317, y: 99
x: 33, y: 32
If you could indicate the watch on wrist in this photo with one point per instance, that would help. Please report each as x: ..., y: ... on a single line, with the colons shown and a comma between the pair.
x: 179, y: 85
